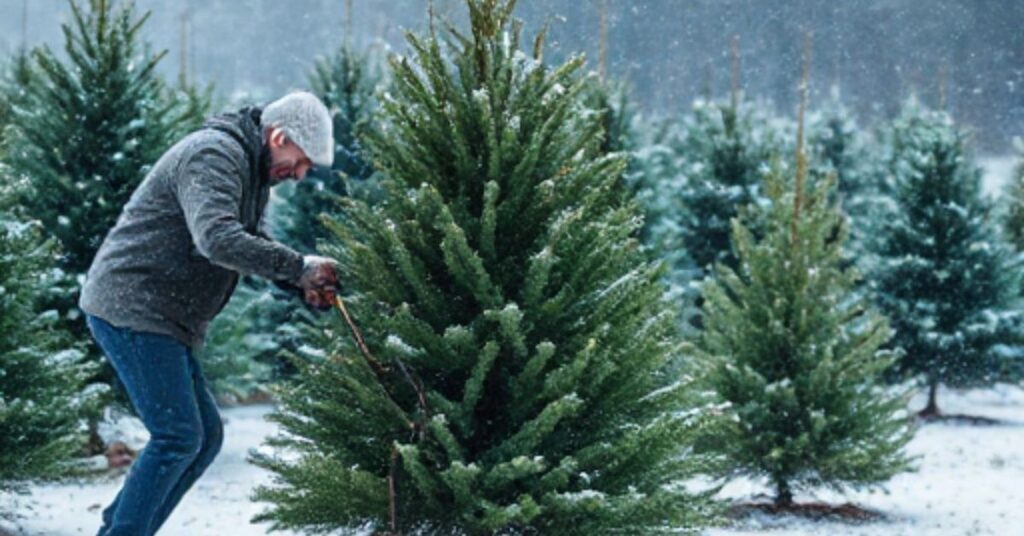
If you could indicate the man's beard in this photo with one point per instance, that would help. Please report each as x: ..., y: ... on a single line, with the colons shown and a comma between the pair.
x: 267, y: 166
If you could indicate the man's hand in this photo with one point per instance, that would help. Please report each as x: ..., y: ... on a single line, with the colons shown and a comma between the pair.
x: 319, y: 281
x: 318, y: 273
x: 319, y: 299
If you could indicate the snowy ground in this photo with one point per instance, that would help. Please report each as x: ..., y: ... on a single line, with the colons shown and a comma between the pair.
x: 216, y: 505
x: 969, y: 482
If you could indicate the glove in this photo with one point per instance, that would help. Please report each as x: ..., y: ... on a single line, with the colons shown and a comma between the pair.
x: 318, y: 273
x: 320, y: 300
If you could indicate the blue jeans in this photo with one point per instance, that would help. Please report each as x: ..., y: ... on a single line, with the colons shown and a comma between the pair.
x: 168, y: 390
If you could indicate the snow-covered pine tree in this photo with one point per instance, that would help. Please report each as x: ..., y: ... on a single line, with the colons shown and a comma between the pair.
x: 43, y: 372
x: 944, y: 276
x: 1013, y: 219
x: 698, y: 171
x: 795, y: 353
x: 729, y: 144
x: 500, y: 273
x: 90, y: 124
x: 838, y: 145
x: 13, y: 79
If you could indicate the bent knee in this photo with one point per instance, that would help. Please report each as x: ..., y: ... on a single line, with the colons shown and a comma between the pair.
x: 181, y: 442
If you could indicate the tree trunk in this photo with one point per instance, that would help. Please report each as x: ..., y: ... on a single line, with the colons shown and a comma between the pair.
x: 932, y: 409
x: 783, y: 495
x: 94, y: 444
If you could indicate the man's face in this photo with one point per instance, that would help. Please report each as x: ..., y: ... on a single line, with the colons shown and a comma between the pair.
x: 287, y: 161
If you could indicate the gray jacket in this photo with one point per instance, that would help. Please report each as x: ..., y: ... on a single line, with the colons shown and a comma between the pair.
x: 191, y: 227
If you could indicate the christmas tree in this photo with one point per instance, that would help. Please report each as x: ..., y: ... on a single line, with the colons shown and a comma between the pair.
x: 1013, y: 219
x: 43, y: 373
x: 85, y: 132
x: 839, y: 146
x: 513, y: 377
x: 795, y: 353
x: 944, y: 277
x: 698, y: 172
x: 730, y: 144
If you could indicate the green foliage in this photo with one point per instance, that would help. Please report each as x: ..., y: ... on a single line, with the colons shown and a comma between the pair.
x: 502, y: 270
x: 13, y: 80
x: 795, y: 354
x: 838, y: 145
x: 43, y: 394
x: 944, y: 276
x: 1013, y: 219
x: 728, y: 149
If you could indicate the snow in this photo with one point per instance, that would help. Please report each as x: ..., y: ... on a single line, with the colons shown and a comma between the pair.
x: 997, y: 172
x: 967, y: 483
x: 399, y: 344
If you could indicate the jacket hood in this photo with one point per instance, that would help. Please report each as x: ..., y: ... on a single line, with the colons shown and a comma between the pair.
x: 245, y: 127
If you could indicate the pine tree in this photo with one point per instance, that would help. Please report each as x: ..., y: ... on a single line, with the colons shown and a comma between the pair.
x: 85, y: 133
x: 43, y: 374
x: 839, y: 146
x: 944, y: 276
x: 730, y: 145
x: 91, y: 126
x: 501, y: 275
x: 795, y: 353
x: 1013, y: 219
x: 13, y: 80
x: 699, y: 171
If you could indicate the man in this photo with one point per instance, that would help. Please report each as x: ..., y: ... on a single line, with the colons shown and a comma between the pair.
x: 171, y: 263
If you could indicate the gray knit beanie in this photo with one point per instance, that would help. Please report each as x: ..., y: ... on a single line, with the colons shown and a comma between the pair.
x: 306, y: 121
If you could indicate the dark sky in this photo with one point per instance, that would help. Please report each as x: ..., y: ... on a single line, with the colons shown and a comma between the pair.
x: 877, y: 51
